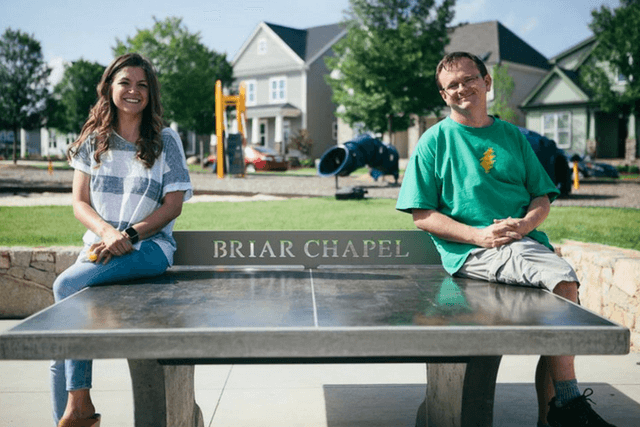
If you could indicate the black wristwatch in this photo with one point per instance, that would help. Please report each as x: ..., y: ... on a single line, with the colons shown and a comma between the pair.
x: 133, y: 235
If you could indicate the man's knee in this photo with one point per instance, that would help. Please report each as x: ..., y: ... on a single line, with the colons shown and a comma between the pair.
x: 568, y: 290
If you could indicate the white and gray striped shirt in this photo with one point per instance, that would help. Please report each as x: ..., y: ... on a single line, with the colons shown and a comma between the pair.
x: 124, y: 191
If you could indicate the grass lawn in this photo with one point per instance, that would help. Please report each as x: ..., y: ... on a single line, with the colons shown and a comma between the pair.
x: 56, y: 225
x: 630, y: 176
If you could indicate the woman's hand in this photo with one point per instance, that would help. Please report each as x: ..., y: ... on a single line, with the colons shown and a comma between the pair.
x: 116, y: 246
x: 99, y: 254
x: 116, y: 242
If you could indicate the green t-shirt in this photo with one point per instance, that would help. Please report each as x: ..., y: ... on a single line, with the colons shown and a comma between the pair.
x: 473, y: 175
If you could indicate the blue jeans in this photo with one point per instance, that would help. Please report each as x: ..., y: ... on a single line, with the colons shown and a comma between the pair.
x: 68, y: 375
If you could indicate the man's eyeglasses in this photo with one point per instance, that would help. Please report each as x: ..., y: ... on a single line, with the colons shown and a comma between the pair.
x: 456, y: 87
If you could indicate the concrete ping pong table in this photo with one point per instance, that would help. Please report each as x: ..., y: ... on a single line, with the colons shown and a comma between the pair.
x: 311, y: 297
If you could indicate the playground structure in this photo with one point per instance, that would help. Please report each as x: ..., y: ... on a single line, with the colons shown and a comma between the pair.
x: 222, y: 102
x: 342, y: 160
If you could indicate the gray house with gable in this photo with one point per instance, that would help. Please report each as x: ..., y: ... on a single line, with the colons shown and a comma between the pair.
x: 563, y: 109
x: 283, y: 71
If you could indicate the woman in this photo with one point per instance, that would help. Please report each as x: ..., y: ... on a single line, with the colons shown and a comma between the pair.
x: 129, y: 184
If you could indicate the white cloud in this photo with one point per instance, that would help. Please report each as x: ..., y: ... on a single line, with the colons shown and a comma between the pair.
x: 470, y: 11
x: 529, y: 25
x: 57, y: 70
x: 509, y: 21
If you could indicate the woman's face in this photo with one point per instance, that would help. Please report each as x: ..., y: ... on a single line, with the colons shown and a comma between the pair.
x: 130, y: 91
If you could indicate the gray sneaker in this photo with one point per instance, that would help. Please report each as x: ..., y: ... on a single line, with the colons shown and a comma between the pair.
x: 576, y: 413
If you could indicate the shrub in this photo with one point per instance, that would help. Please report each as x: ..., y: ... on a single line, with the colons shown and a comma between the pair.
x: 302, y: 142
x: 307, y: 163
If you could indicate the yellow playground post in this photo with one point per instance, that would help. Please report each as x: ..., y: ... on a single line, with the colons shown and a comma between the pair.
x: 222, y: 102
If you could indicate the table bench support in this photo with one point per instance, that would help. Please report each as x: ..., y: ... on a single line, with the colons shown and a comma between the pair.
x: 164, y: 396
x: 460, y: 394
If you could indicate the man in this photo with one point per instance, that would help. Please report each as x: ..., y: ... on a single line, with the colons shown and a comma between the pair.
x: 475, y: 184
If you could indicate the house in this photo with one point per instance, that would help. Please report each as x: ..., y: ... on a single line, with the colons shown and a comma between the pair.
x: 36, y: 143
x: 496, y: 45
x: 6, y: 144
x: 561, y: 108
x: 283, y: 71
x: 33, y: 143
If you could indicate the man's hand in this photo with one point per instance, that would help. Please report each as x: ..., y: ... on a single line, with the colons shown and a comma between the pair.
x: 514, y: 224
x: 501, y: 232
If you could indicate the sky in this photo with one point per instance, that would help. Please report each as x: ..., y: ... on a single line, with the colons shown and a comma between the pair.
x: 69, y: 30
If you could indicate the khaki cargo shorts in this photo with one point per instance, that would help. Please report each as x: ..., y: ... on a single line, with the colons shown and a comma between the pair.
x: 523, y: 262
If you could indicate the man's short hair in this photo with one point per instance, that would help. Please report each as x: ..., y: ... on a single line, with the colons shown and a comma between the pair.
x: 453, y: 58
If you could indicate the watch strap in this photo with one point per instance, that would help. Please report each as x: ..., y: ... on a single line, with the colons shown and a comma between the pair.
x: 133, y: 235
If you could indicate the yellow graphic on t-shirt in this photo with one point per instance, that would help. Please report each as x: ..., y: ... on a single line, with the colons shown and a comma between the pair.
x: 488, y: 160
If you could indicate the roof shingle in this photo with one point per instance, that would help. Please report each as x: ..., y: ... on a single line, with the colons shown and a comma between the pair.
x: 308, y: 42
x: 493, y: 42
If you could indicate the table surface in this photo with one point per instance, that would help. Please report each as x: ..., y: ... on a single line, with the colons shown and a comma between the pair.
x: 314, y: 314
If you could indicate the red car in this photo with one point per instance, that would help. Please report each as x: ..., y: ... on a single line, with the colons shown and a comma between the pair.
x: 257, y: 157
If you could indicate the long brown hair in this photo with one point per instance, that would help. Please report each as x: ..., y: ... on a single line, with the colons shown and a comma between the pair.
x: 103, y: 117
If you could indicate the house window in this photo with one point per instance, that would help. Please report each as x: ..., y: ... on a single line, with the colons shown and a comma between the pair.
x: 277, y: 89
x: 620, y: 78
x: 262, y: 47
x: 251, y: 96
x: 53, y: 141
x: 557, y: 126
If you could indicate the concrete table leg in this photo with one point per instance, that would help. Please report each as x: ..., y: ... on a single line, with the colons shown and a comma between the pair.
x: 460, y: 394
x: 164, y: 396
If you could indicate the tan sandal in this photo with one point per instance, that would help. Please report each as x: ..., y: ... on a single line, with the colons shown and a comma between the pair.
x: 92, y: 421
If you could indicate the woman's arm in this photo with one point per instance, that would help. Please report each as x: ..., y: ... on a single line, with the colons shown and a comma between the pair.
x: 113, y: 242
x: 170, y: 209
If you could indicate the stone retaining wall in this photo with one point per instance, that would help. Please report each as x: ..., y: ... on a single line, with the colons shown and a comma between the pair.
x: 26, y: 277
x: 610, y: 279
x: 610, y: 282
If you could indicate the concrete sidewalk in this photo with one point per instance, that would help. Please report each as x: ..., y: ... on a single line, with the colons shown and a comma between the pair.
x: 375, y: 395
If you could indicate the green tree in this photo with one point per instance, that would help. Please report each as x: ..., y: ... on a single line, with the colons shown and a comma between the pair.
x: 187, y: 71
x: 616, y: 54
x: 74, y: 96
x: 23, y: 83
x: 503, y: 87
x: 383, y: 69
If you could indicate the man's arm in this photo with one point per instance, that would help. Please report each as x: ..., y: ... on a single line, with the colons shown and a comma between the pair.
x: 537, y: 212
x: 501, y: 232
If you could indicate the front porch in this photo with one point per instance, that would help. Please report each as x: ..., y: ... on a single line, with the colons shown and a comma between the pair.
x: 271, y: 125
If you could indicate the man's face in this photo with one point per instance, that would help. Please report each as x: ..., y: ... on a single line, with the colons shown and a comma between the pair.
x: 464, y: 89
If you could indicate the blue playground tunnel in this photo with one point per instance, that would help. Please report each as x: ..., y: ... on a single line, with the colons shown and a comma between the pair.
x: 342, y: 160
